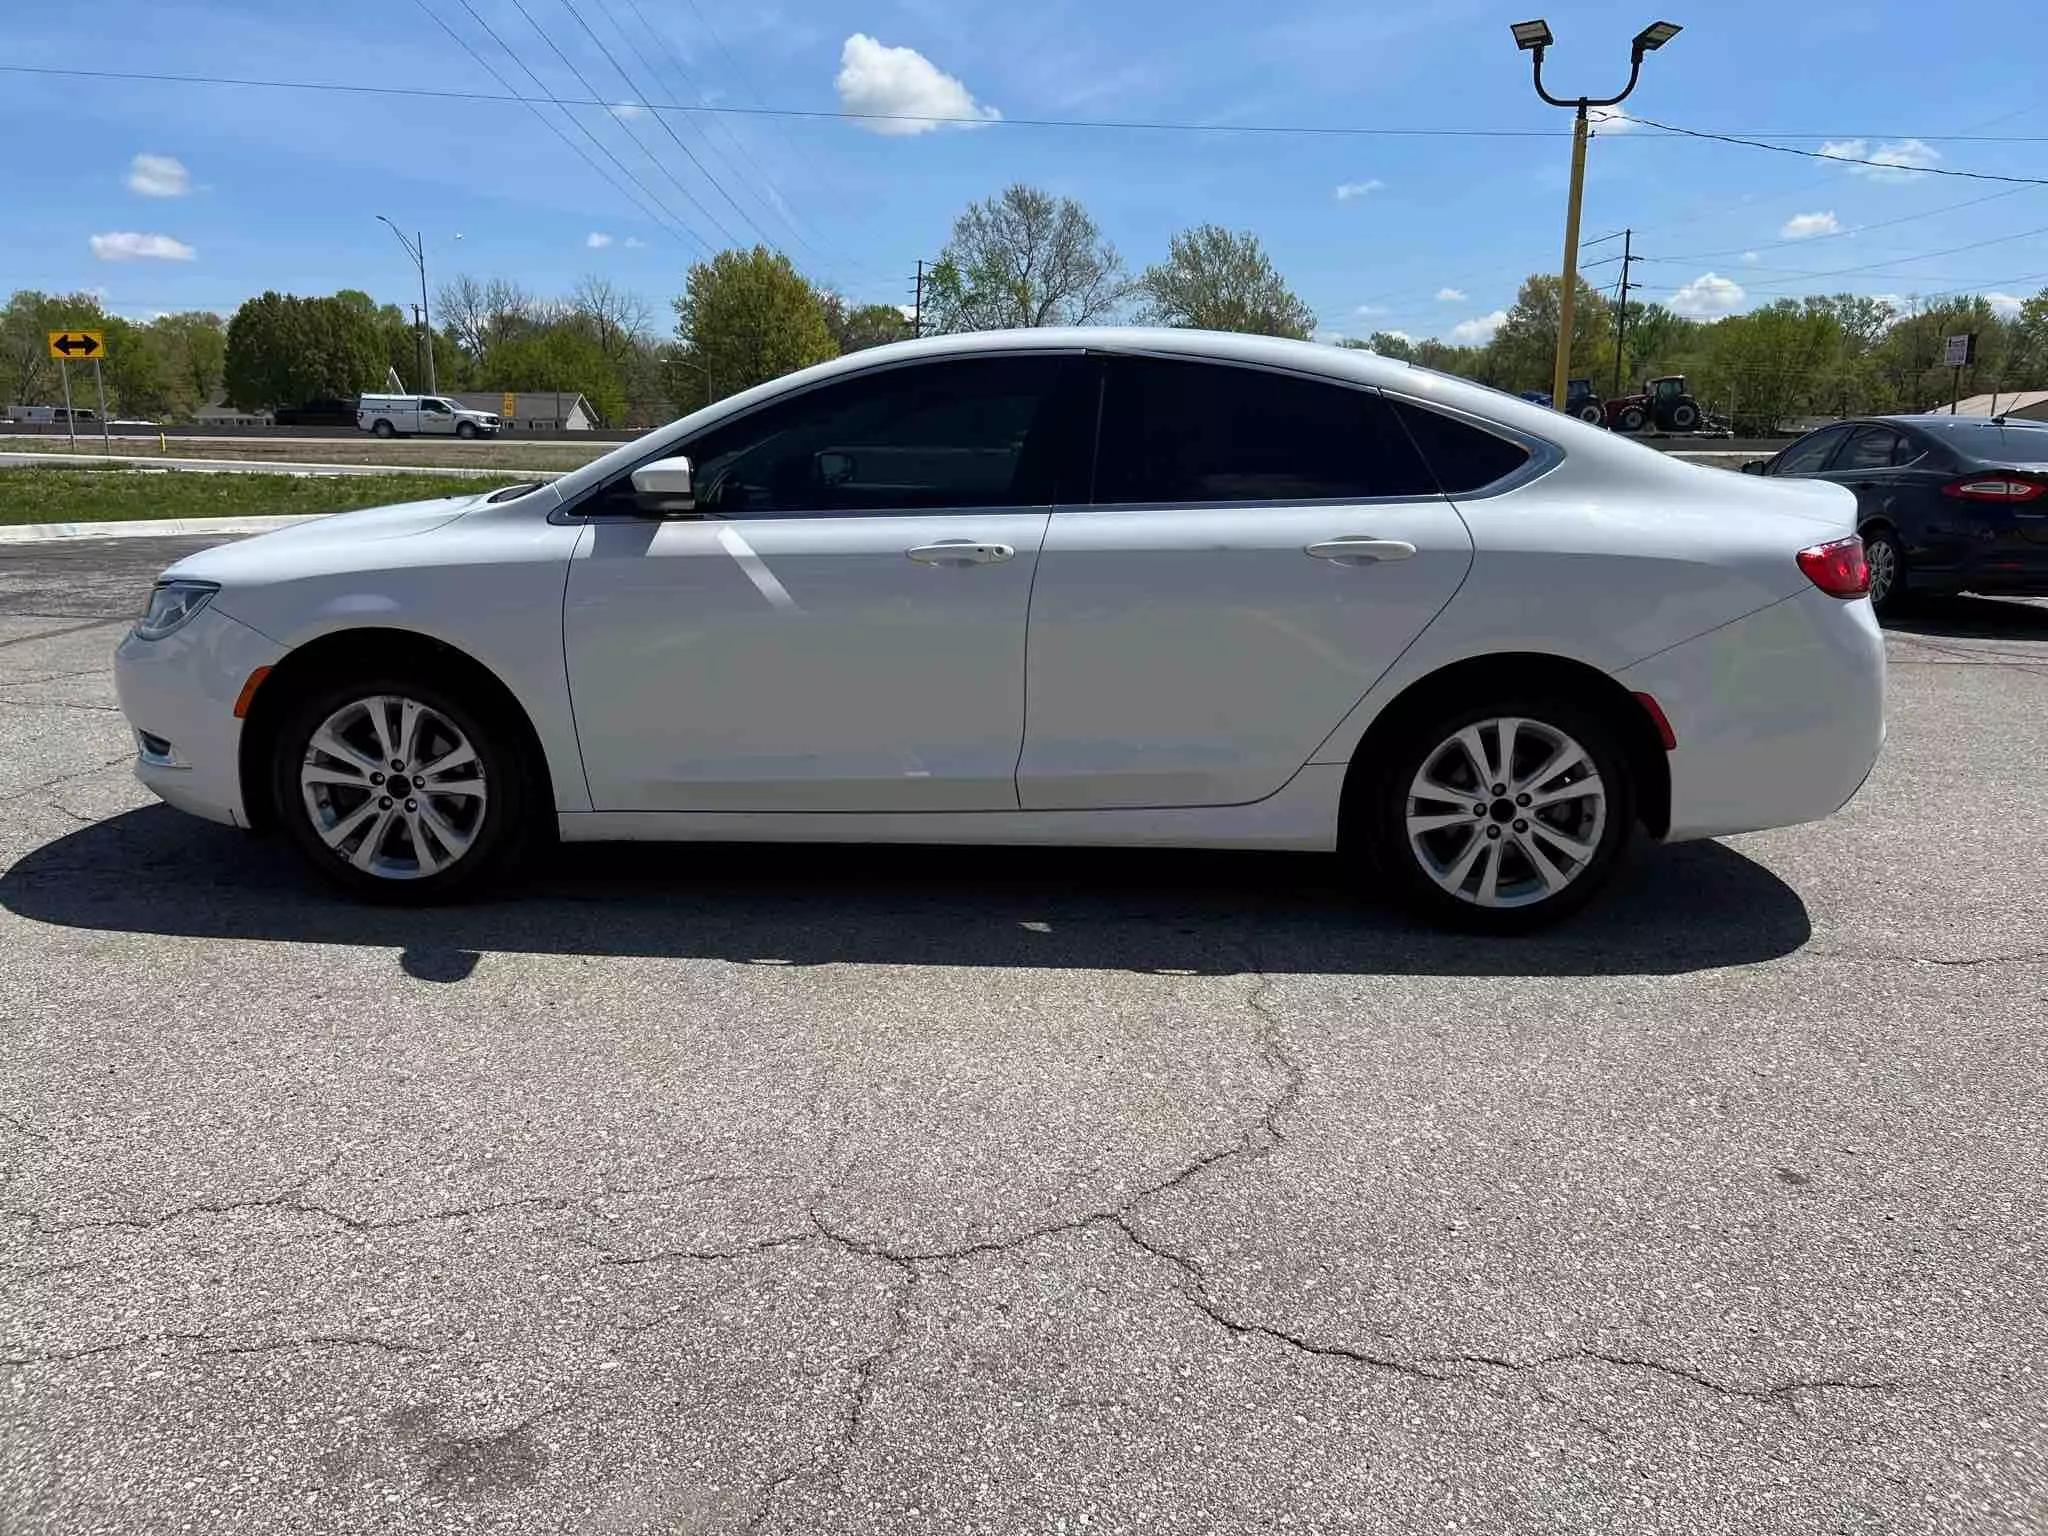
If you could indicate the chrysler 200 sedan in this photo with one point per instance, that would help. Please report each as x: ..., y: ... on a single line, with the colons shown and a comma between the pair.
x: 1059, y: 587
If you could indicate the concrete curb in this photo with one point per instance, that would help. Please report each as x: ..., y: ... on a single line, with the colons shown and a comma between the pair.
x: 149, y: 527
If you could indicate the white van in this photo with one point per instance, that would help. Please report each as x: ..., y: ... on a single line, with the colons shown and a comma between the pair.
x: 427, y: 415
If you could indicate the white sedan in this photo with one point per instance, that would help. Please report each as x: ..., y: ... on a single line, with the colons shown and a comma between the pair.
x: 1064, y: 587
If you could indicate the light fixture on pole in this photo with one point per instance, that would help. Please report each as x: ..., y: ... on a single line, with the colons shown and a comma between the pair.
x: 1532, y: 37
x: 416, y: 248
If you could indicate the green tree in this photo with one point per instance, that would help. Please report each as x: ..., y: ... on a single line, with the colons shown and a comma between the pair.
x: 1216, y: 280
x: 1024, y: 258
x: 1525, y: 345
x: 859, y: 326
x: 562, y: 356
x: 1387, y: 344
x: 746, y: 317
x: 194, y: 347
x: 30, y: 372
x: 285, y: 351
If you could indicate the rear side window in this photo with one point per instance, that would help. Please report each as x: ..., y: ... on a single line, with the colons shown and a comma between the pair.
x: 1808, y: 455
x: 1871, y: 448
x: 1465, y: 458
x: 1175, y: 431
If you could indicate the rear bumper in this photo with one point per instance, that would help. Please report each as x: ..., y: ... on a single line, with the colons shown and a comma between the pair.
x: 181, y: 691
x: 1778, y: 716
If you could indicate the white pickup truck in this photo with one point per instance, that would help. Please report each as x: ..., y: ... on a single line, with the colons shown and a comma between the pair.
x: 425, y: 415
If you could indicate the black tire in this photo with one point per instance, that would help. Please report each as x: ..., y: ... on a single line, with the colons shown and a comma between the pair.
x: 1893, y: 596
x: 465, y: 429
x: 383, y: 429
x: 1684, y: 417
x: 1631, y: 419
x: 497, y: 838
x: 1378, y: 817
x: 1592, y: 413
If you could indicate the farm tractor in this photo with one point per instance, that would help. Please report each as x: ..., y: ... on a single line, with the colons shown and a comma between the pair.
x: 1665, y: 403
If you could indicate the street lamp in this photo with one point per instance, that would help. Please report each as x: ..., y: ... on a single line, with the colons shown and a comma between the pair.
x: 695, y: 368
x: 416, y: 248
x: 1532, y: 37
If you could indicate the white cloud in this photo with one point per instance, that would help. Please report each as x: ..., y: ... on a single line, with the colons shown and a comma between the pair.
x: 1612, y: 120
x: 635, y: 243
x: 1750, y: 258
x: 626, y: 111
x: 128, y: 246
x: 158, y: 176
x: 1346, y: 191
x: 2004, y: 304
x: 903, y: 90
x: 1894, y: 162
x: 1707, y: 296
x: 1804, y: 226
x: 1479, y: 330
x: 1370, y: 309
x: 597, y: 240
x: 1451, y: 295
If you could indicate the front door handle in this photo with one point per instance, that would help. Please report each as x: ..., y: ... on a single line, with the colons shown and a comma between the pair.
x: 960, y: 552
x: 1361, y: 549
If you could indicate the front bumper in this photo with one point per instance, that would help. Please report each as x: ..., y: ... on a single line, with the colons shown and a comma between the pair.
x: 1778, y: 716
x: 180, y: 692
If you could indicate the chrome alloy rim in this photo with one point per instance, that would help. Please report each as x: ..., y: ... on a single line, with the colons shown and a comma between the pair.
x: 1883, y: 568
x: 393, y: 787
x: 1506, y: 812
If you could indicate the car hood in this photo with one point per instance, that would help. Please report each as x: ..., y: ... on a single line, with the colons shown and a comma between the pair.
x: 323, y: 543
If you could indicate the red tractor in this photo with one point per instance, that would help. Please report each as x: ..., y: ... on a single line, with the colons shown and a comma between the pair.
x: 1665, y: 402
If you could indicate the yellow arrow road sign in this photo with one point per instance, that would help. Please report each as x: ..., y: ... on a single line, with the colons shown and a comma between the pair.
x: 70, y: 344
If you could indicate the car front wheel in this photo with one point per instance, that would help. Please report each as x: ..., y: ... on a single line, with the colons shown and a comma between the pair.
x: 465, y: 429
x: 400, y: 789
x: 1502, y: 815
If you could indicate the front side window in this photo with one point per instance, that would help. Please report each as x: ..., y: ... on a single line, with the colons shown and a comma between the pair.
x: 1807, y: 456
x: 970, y: 432
x: 1186, y: 431
x: 434, y: 407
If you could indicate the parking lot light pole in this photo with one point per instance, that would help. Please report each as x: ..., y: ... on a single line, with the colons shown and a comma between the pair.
x: 1532, y: 37
x: 416, y: 248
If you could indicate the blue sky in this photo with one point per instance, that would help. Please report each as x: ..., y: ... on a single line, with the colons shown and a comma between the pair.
x: 243, y: 189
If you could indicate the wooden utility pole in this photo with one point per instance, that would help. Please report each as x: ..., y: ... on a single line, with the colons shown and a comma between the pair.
x: 917, y: 307
x: 1621, y: 309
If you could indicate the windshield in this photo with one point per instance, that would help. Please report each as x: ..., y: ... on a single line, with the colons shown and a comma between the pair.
x: 2019, y: 442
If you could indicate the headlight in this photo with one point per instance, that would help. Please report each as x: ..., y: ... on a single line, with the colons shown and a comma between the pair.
x: 171, y: 605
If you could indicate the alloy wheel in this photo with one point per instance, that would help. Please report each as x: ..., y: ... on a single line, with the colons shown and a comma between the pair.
x: 394, y: 787
x: 1506, y: 812
x: 1883, y: 562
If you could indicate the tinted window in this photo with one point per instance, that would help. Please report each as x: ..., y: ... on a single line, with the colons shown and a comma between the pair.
x: 1463, y: 457
x: 969, y: 433
x: 1207, y: 432
x: 1808, y: 454
x: 2013, y: 443
x: 1870, y: 448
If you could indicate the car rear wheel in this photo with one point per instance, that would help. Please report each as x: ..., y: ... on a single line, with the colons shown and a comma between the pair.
x: 1503, y: 814
x: 400, y: 789
x: 383, y: 429
x: 1888, y: 591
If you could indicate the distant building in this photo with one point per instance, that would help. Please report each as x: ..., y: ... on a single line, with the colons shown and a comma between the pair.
x: 2026, y: 404
x: 221, y: 414
x: 537, y: 410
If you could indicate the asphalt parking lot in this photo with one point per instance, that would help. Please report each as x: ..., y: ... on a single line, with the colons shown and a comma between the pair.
x: 722, y: 1190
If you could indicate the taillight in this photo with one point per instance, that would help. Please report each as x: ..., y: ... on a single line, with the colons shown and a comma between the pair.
x: 1838, y: 567
x: 2007, y: 488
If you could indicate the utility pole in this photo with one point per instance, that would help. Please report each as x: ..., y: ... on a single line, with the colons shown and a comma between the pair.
x: 917, y: 308
x: 423, y: 346
x: 1621, y: 309
x: 416, y: 248
x: 1533, y: 37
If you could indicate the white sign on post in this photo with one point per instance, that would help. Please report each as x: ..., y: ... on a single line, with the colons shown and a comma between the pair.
x: 1958, y: 351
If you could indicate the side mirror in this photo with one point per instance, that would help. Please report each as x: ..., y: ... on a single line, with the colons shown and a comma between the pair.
x: 1754, y: 467
x: 664, y: 487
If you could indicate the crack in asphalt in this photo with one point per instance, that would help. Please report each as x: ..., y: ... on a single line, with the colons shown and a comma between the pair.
x: 66, y: 778
x: 1776, y: 1393
x: 21, y: 1127
x: 69, y: 629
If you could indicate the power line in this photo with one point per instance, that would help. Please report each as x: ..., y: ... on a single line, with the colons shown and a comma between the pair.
x: 688, y: 153
x: 611, y: 112
x: 574, y: 121
x: 1822, y: 154
x: 1843, y: 234
x: 555, y: 128
x: 1890, y: 261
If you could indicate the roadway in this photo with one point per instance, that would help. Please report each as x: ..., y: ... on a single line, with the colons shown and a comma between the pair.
x: 837, y: 1191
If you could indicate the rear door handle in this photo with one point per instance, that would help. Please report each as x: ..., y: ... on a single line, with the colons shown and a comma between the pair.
x: 1361, y: 549
x: 960, y: 552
